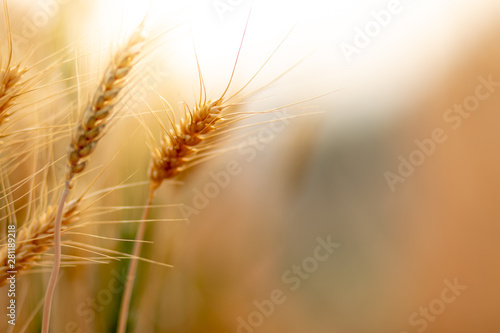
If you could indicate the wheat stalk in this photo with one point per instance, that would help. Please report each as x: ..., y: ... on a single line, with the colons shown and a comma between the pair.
x: 88, y: 132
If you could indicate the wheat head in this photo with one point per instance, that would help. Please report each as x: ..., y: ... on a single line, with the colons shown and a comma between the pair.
x: 90, y: 128
x: 181, y: 142
x: 35, y: 239
x: 10, y: 85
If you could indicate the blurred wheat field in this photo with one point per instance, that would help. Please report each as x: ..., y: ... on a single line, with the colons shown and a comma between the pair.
x: 287, y: 221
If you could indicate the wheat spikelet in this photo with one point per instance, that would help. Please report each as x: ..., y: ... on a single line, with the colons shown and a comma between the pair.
x: 94, y: 119
x: 35, y: 239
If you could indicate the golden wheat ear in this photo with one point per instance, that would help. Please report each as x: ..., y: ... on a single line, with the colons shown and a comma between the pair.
x: 11, y: 83
x: 35, y: 239
x: 90, y: 128
x: 11, y: 76
x: 179, y: 143
x: 184, y: 142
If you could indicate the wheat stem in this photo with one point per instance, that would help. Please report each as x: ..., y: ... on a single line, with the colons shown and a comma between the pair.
x: 132, y: 269
x: 57, y: 260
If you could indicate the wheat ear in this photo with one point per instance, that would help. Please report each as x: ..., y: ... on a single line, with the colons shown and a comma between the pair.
x: 10, y: 76
x: 180, y: 143
x: 96, y: 115
x: 88, y: 132
x: 35, y: 239
x: 10, y: 85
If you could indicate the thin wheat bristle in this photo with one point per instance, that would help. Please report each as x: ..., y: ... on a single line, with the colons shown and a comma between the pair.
x: 180, y: 143
x: 35, y: 239
x: 94, y: 119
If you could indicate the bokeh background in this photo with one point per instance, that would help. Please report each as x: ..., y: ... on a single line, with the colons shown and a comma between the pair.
x: 346, y: 119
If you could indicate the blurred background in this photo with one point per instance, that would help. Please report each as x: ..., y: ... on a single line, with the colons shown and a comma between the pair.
x: 352, y: 159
